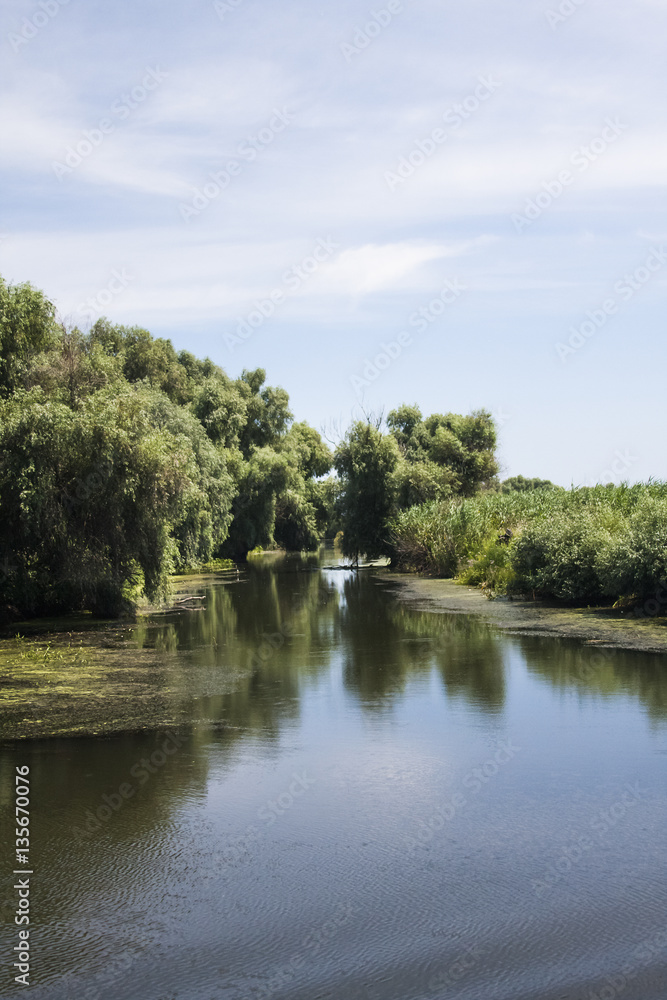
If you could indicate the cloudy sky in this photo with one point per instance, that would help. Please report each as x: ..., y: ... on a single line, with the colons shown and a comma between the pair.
x: 459, y: 205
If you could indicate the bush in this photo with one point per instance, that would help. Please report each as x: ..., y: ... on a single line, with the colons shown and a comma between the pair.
x: 582, y: 545
x: 637, y: 562
x: 491, y: 569
x: 558, y: 558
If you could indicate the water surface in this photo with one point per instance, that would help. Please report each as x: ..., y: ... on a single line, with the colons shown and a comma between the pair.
x: 352, y: 799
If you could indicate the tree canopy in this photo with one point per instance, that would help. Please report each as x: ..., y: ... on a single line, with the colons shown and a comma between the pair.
x: 122, y: 460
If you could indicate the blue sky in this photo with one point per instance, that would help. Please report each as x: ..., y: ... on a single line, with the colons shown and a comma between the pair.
x: 456, y: 205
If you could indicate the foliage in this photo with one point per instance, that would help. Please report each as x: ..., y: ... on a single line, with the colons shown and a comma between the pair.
x: 419, y: 461
x: 325, y: 495
x: 453, y: 453
x: 584, y: 545
x: 521, y: 484
x: 366, y: 460
x: 90, y: 500
x: 123, y: 460
x: 27, y: 329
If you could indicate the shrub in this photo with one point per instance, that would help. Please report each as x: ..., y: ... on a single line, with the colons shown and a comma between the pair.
x: 582, y: 545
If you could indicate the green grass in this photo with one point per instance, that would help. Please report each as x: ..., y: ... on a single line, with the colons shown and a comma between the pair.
x: 29, y: 651
x: 583, y: 545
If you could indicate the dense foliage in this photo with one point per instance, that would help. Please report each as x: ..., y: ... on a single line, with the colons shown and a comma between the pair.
x: 521, y: 484
x: 416, y: 461
x: 584, y: 545
x: 122, y: 460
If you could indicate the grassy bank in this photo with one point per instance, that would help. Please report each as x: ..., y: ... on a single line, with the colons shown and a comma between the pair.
x: 585, y: 545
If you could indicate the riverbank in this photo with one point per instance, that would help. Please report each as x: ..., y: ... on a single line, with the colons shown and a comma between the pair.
x: 600, y: 626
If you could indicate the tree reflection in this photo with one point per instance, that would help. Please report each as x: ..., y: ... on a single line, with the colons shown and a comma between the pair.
x: 587, y: 667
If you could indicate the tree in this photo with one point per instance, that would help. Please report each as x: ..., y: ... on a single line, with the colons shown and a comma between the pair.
x: 259, y: 481
x: 521, y: 485
x: 207, y: 509
x: 365, y: 460
x: 28, y: 328
x: 402, y: 423
x: 268, y: 412
x: 92, y: 500
x: 309, y: 452
x: 221, y: 406
x: 451, y: 453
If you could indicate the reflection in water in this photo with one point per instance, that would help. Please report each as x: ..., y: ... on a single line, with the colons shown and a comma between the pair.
x: 467, y: 652
x: 566, y: 663
x: 337, y: 796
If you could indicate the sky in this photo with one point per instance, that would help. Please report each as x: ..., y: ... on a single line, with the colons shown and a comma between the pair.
x: 455, y: 205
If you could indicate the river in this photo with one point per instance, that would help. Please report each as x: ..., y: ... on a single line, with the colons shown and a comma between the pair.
x: 334, y: 795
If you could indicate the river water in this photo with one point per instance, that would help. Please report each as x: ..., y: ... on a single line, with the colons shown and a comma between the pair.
x: 354, y: 799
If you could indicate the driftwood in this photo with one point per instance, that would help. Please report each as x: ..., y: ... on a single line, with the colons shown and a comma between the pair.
x: 185, y: 602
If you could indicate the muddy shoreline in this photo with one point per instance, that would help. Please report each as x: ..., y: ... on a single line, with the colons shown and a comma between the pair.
x: 600, y: 626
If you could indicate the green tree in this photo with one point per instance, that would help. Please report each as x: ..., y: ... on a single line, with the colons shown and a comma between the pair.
x: 450, y: 453
x: 221, y: 406
x: 259, y: 481
x: 28, y: 328
x: 268, y: 412
x: 206, y: 513
x: 308, y: 451
x: 519, y: 484
x: 91, y: 499
x: 154, y: 360
x: 366, y: 460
